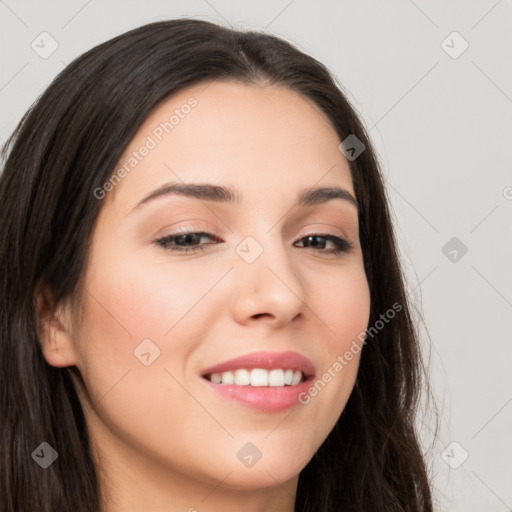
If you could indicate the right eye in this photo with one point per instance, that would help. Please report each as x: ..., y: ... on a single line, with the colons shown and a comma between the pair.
x: 184, y: 242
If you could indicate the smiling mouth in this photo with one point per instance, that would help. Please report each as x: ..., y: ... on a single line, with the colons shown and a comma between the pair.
x: 258, y: 377
x: 265, y: 381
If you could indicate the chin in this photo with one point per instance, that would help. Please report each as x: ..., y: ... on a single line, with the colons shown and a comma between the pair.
x: 262, y: 476
x: 263, y: 463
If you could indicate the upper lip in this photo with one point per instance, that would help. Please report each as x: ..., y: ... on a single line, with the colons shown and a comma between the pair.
x: 266, y: 360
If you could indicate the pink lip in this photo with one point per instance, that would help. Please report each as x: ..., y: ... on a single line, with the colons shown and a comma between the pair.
x: 267, y: 361
x: 268, y: 398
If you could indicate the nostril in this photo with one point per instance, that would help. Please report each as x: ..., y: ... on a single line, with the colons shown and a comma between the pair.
x: 258, y: 315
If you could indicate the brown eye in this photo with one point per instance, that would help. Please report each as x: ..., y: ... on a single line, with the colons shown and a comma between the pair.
x: 340, y: 244
x: 184, y: 242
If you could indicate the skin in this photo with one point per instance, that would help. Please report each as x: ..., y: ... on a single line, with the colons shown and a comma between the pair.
x: 162, y: 439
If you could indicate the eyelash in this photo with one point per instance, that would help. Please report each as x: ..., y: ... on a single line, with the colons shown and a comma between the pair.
x: 342, y: 245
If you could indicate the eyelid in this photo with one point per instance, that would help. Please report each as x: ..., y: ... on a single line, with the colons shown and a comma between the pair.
x: 318, y: 228
x: 188, y: 226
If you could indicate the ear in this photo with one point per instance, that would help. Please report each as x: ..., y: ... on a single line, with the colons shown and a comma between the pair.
x: 54, y: 329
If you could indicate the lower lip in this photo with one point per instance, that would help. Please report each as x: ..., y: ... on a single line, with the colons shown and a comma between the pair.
x: 263, y: 398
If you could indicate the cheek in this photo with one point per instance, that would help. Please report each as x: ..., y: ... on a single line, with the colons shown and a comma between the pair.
x: 131, y: 301
x: 344, y: 309
x: 343, y: 306
x: 127, y: 306
x: 134, y: 300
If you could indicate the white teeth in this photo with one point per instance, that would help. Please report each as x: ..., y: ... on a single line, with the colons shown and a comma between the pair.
x: 242, y: 377
x: 228, y: 378
x: 297, y: 376
x: 258, y: 377
x: 276, y: 378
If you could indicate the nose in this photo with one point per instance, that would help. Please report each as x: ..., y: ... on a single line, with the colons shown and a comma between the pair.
x: 268, y: 289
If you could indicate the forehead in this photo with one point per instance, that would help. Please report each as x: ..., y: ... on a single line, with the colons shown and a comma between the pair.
x: 258, y: 138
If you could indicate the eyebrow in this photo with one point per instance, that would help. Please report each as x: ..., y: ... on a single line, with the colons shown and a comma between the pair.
x: 223, y: 194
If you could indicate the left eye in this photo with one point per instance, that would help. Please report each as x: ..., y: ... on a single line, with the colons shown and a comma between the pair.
x: 185, y: 242
x: 340, y: 244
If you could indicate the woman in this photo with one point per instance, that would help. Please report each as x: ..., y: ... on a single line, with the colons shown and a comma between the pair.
x: 202, y: 304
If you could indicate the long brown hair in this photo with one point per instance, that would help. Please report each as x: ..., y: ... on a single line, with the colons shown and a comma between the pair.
x: 65, y: 147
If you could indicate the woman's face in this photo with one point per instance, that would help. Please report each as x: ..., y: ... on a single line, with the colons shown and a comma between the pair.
x: 160, y: 322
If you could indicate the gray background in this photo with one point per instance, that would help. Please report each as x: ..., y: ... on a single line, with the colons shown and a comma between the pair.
x: 440, y: 121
